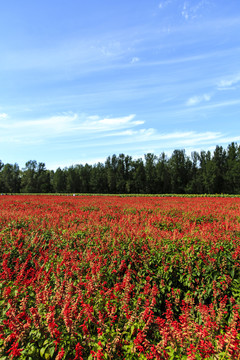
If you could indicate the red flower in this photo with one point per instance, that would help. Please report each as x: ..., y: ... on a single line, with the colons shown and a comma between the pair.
x: 14, y: 350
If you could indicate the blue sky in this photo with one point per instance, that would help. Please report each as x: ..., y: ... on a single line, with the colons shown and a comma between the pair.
x: 81, y: 80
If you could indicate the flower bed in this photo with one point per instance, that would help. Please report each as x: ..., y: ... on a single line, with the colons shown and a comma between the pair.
x: 104, y: 277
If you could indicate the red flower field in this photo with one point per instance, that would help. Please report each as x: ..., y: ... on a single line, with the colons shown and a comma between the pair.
x: 104, y: 277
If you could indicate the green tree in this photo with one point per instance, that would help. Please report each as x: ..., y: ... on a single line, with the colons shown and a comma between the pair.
x: 10, y: 178
x: 232, y: 178
x: 163, y: 177
x: 98, y: 180
x: 111, y: 169
x: 29, y: 177
x: 72, y: 179
x: 206, y: 172
x: 123, y: 174
x: 137, y: 182
x: 219, y: 169
x: 180, y: 169
x: 128, y: 172
x: 151, y: 175
x: 194, y: 185
x: 59, y: 181
x: 85, y: 177
x: 43, y: 179
x: 120, y: 175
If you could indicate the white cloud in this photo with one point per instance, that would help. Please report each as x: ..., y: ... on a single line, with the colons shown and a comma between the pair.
x: 227, y: 83
x: 185, y: 10
x: 112, y: 122
x: 186, y: 137
x: 190, y: 11
x: 150, y: 136
x: 94, y: 117
x: 54, y: 124
x: 164, y: 4
x: 65, y: 125
x: 218, y: 105
x: 135, y: 59
x: 78, y: 131
x: 142, y: 134
x: 198, y: 99
x: 73, y: 53
x: 108, y: 124
x: 3, y: 116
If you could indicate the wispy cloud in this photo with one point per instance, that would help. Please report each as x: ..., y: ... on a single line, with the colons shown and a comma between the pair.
x: 164, y: 4
x: 229, y: 82
x: 185, y: 11
x: 70, y: 132
x: 219, y: 104
x: 71, y: 52
x: 109, y: 124
x: 150, y: 140
x: 67, y: 124
x: 70, y: 127
x: 195, y: 100
x: 54, y: 124
x: 190, y: 11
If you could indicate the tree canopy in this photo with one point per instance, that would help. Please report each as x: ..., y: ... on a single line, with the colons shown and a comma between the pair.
x: 200, y: 173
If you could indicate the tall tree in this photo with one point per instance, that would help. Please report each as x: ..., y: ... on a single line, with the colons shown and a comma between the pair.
x: 43, y: 179
x: 29, y: 177
x: 150, y: 170
x: 206, y: 172
x: 98, y: 180
x: 194, y: 185
x: 180, y: 167
x: 111, y: 169
x: 1, y: 183
x: 220, y: 167
x: 128, y: 172
x: 59, y: 181
x: 137, y: 183
x: 1, y: 165
x: 72, y: 179
x: 122, y: 173
x: 232, y: 178
x: 163, y: 177
x: 85, y: 178
x: 10, y: 178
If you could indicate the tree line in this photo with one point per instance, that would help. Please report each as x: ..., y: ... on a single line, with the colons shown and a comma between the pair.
x: 200, y: 173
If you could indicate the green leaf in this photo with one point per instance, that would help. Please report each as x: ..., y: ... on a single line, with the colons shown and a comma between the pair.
x: 51, y: 350
x: 32, y: 349
x: 132, y: 329
x: 42, y: 351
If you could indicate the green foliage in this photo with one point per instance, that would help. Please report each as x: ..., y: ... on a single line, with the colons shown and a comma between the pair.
x: 202, y: 173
